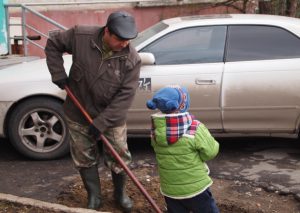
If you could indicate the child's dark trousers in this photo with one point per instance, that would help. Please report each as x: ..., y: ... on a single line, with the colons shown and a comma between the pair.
x: 202, y: 203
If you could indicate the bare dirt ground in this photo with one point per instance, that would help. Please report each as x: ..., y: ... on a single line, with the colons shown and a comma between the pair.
x: 232, y: 196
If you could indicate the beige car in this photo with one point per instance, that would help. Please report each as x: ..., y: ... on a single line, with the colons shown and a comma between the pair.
x: 242, y: 72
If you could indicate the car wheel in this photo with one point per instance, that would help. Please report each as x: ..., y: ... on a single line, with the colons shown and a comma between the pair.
x: 38, y: 129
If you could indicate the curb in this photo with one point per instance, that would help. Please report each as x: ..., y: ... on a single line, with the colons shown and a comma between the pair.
x: 44, y: 205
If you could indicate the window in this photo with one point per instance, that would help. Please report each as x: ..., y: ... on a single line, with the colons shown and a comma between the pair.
x: 149, y: 32
x: 261, y: 43
x: 189, y: 46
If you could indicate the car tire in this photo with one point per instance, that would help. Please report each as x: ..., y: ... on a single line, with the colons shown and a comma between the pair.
x: 38, y: 130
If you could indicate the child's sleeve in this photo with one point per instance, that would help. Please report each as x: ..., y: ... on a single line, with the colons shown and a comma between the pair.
x: 205, y: 143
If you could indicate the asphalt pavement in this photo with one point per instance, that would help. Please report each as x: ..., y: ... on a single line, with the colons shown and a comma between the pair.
x: 271, y: 163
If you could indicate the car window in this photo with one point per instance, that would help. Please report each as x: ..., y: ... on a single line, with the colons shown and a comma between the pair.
x: 261, y: 43
x: 149, y: 32
x: 189, y: 46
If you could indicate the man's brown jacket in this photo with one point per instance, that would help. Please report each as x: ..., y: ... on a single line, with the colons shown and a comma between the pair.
x: 106, y: 87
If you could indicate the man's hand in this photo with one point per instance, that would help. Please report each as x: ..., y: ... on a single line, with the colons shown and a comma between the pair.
x: 61, y: 83
x: 94, y: 132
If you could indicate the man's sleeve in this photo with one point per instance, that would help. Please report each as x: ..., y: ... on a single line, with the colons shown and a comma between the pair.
x: 58, y: 44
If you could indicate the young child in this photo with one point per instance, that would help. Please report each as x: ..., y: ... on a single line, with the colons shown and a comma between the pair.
x: 182, y: 145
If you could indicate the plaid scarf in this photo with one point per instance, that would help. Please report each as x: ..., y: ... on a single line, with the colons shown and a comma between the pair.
x: 177, y: 125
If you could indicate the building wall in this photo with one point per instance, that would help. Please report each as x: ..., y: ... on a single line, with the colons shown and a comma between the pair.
x: 97, y: 14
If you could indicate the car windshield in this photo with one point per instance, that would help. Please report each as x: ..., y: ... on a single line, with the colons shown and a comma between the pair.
x: 149, y: 32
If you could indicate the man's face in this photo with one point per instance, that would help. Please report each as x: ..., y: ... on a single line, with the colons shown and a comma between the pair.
x: 114, y: 42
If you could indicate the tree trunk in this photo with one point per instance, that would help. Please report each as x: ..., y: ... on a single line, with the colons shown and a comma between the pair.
x: 291, y: 9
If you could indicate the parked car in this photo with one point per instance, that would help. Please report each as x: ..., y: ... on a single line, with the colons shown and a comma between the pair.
x: 242, y: 72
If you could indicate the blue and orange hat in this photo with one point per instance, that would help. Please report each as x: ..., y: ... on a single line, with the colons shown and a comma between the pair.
x: 170, y: 99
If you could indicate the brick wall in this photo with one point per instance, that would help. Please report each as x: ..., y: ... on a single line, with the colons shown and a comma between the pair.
x: 96, y: 14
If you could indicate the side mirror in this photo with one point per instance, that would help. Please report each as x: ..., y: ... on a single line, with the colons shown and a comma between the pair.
x: 147, y: 58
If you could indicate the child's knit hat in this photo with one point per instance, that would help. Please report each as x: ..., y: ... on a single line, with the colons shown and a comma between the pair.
x: 170, y: 99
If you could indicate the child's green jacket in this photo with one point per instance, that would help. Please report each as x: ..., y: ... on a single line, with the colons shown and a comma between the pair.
x: 182, y: 145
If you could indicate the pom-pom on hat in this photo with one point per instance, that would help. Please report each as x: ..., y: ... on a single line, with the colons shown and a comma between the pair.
x: 170, y: 99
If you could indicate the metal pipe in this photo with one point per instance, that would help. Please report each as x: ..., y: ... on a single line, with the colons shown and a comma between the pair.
x: 113, y: 151
x: 44, y: 17
x: 24, y: 31
x: 15, y: 24
x: 37, y: 31
x: 24, y: 25
x: 36, y: 44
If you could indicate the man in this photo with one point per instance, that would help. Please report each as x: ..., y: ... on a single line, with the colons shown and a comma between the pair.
x: 104, y: 77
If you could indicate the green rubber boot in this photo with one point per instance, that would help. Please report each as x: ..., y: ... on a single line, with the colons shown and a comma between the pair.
x: 119, y: 181
x: 91, y: 181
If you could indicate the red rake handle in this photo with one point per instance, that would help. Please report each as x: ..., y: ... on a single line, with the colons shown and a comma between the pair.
x: 113, y: 151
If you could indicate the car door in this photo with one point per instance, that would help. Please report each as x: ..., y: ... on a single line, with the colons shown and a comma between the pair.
x: 190, y: 57
x: 261, y: 80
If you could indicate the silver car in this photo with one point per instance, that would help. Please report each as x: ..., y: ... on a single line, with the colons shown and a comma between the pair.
x: 242, y: 72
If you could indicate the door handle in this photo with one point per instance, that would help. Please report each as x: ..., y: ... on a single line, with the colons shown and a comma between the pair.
x: 205, y: 81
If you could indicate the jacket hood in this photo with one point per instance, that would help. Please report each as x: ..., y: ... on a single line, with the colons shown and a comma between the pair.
x: 168, y: 128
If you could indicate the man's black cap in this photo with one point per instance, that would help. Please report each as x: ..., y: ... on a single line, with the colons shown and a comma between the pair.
x: 122, y: 24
